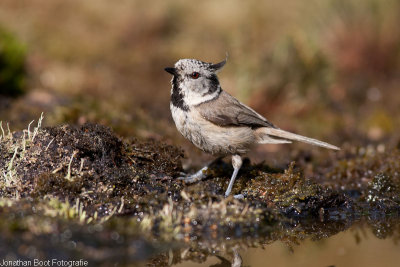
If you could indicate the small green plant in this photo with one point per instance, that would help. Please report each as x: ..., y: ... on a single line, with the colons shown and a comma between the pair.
x: 3, y: 135
x: 12, y: 64
x: 57, y: 208
x: 9, y: 175
x: 31, y: 136
x: 68, y: 176
x: 18, y: 148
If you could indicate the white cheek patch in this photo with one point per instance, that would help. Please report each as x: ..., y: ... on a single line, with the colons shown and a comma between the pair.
x: 196, y: 92
x: 196, y: 98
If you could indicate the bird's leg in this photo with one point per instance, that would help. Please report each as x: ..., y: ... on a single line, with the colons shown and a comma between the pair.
x: 236, y: 163
x: 199, y: 175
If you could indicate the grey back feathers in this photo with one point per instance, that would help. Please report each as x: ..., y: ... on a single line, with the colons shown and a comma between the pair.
x: 225, y: 110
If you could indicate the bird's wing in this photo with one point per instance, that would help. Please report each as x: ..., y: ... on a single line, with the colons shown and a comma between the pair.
x: 225, y: 110
x: 228, y: 111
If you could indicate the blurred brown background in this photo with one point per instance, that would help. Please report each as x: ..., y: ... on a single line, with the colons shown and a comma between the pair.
x: 326, y: 69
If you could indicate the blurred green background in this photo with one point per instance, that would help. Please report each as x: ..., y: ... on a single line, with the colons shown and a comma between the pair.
x: 326, y: 69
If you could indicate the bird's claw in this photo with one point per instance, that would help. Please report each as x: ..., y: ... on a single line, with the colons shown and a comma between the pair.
x: 239, y: 196
x: 190, y: 179
x: 198, y: 176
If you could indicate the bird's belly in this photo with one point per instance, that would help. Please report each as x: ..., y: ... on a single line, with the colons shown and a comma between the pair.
x: 211, y: 138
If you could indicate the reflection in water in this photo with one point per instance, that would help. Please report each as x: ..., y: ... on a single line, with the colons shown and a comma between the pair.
x: 339, y: 240
x: 312, y: 244
x: 237, y: 260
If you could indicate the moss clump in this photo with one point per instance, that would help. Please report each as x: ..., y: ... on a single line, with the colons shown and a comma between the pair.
x: 12, y: 64
x: 48, y: 183
x: 354, y: 168
x: 382, y: 184
x: 383, y: 194
x: 294, y: 195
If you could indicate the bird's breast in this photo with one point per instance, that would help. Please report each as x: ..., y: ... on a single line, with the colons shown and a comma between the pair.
x: 210, y: 137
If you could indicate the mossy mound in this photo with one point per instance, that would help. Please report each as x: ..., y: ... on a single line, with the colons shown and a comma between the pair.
x: 87, y: 162
x: 91, y: 165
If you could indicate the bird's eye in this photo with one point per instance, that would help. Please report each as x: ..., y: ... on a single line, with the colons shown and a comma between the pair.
x: 195, y: 75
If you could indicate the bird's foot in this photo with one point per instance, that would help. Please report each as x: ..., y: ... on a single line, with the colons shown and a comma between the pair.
x: 238, y: 196
x: 198, y: 176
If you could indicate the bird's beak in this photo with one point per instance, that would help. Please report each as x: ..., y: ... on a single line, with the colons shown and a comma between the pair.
x: 171, y: 70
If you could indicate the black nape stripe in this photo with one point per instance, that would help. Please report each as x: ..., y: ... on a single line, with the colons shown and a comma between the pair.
x: 177, y: 96
x: 214, y: 85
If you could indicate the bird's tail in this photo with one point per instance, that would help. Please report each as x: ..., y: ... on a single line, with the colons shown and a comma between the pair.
x: 264, y: 137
